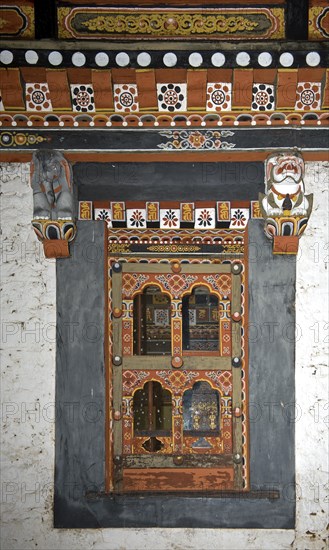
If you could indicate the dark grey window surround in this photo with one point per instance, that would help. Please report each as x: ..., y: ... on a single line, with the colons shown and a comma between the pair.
x: 80, y: 500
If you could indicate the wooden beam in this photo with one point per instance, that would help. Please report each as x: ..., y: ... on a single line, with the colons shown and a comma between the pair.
x: 45, y: 19
x: 297, y: 19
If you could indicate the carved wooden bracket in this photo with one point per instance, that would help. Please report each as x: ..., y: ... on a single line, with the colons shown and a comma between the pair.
x: 285, y: 206
x: 53, y: 203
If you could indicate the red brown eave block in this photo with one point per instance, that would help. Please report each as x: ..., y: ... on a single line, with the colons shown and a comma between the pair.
x: 325, y: 101
x: 146, y: 85
x: 286, y: 88
x: 197, y: 89
x: 242, y: 88
x: 11, y: 89
x: 103, y: 90
x: 59, y: 89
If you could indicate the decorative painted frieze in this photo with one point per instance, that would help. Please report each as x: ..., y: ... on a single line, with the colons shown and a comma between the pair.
x: 178, y: 23
x: 37, y: 97
x: 195, y: 139
x: 125, y: 98
x: 106, y: 140
x: 171, y: 97
x: 263, y: 97
x: 171, y: 215
x: 17, y: 19
x: 219, y: 96
x: 308, y: 96
x: 318, y: 27
x: 285, y: 206
x: 287, y: 57
x: 53, y: 203
x: 83, y: 100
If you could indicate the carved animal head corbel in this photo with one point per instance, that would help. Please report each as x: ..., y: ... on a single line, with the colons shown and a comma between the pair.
x: 284, y: 205
x: 53, y: 202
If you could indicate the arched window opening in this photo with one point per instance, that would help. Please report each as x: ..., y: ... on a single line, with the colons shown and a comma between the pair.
x: 152, y: 406
x: 201, y: 413
x: 200, y: 321
x: 152, y: 323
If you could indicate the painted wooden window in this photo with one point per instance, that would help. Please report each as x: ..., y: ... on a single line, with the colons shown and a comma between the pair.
x: 152, y: 410
x: 201, y: 410
x: 152, y: 329
x: 178, y: 373
x: 200, y: 317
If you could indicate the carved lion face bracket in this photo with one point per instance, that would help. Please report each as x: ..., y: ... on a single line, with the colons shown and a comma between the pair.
x: 53, y: 203
x: 284, y: 205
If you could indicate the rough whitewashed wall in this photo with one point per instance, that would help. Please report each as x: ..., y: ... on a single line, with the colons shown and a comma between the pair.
x: 28, y: 376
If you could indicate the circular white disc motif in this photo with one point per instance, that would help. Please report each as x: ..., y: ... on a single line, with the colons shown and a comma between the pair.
x: 265, y: 59
x: 122, y: 59
x: 78, y: 59
x: 243, y: 59
x: 143, y: 59
x: 55, y: 58
x: 31, y: 57
x: 101, y: 59
x: 170, y: 59
x: 313, y: 59
x: 286, y: 59
x: 6, y: 57
x: 218, y: 59
x: 195, y: 59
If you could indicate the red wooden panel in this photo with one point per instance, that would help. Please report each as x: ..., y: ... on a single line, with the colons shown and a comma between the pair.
x: 33, y: 74
x: 265, y: 76
x: 103, y: 92
x: 175, y: 76
x: 146, y: 85
x: 286, y: 89
x: 315, y: 74
x: 196, y: 89
x: 11, y: 89
x: 58, y: 88
x: 242, y: 88
x: 178, y: 479
x: 123, y: 76
x: 79, y: 76
x: 219, y: 75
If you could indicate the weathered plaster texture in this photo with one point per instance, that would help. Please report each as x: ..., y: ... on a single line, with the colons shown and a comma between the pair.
x: 28, y: 371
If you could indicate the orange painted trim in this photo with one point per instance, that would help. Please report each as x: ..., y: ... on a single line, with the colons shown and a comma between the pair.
x: 245, y: 347
x: 188, y: 156
x: 199, y: 353
x: 108, y: 461
x: 243, y: 3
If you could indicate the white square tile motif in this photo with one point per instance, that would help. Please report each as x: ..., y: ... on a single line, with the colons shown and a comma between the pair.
x: 219, y: 96
x: 308, y: 96
x: 83, y: 100
x: 103, y: 214
x: 136, y: 217
x: 205, y: 218
x: 171, y: 97
x: 239, y: 218
x: 169, y: 218
x: 37, y: 97
x: 126, y: 98
x: 263, y: 97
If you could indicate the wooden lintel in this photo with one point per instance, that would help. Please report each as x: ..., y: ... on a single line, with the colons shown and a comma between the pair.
x: 186, y: 156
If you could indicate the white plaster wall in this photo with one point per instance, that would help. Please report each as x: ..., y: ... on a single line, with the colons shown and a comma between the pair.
x: 27, y: 393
